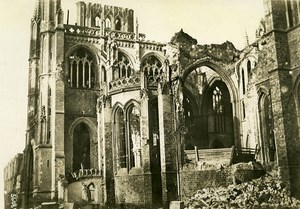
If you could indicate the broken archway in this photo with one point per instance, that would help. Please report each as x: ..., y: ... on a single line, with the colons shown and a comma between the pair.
x: 208, y: 109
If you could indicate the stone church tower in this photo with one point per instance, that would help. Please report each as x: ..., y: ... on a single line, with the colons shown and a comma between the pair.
x: 116, y: 121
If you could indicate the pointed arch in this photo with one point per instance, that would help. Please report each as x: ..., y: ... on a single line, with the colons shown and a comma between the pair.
x: 118, y: 24
x: 216, y: 98
x: 97, y: 21
x: 107, y: 23
x: 82, y: 134
x: 152, y: 66
x: 82, y: 63
x: 267, y: 138
x: 122, y: 67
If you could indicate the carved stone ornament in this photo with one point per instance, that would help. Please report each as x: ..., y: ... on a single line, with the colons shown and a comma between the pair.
x: 104, y: 100
x: 43, y: 114
x: 59, y: 72
x: 163, y: 87
x: 144, y: 94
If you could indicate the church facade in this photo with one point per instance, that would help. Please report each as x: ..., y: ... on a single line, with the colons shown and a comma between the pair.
x: 113, y: 117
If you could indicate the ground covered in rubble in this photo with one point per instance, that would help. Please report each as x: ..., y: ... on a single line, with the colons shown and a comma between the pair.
x: 265, y: 192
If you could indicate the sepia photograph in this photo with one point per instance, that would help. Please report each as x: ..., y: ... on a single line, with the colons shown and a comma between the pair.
x: 163, y: 104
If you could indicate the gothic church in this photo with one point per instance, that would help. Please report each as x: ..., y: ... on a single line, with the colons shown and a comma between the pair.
x: 116, y: 121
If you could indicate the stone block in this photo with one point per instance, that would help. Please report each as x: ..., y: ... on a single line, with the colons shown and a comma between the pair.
x: 176, y: 205
x: 49, y: 205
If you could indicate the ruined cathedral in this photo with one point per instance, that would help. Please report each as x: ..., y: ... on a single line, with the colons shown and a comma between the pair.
x: 116, y: 121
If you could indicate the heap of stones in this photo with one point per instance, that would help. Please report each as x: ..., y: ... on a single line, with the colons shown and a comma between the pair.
x: 265, y: 192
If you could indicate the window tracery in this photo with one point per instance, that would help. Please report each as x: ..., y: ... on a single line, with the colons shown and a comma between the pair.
x: 122, y: 67
x: 152, y: 67
x: 217, y: 101
x: 81, y: 69
x: 127, y: 137
x: 218, y: 108
x: 135, y: 137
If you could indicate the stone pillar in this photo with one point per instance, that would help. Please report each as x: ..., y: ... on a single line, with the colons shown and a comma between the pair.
x: 167, y: 145
x: 285, y: 128
x: 57, y: 124
x: 107, y: 150
x: 145, y: 151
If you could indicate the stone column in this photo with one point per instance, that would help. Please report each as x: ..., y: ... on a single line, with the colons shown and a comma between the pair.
x: 107, y: 149
x: 58, y: 114
x: 145, y: 146
x: 285, y: 128
x: 167, y: 144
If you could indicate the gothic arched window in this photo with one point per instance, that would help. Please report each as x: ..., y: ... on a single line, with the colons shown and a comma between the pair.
x: 248, y: 66
x: 120, y: 138
x: 152, y: 67
x: 107, y: 23
x: 217, y: 101
x: 266, y: 126
x: 243, y: 81
x: 103, y: 74
x: 118, y: 24
x: 135, y: 137
x: 127, y: 137
x: 97, y: 21
x: 81, y: 147
x: 81, y: 69
x: 122, y: 68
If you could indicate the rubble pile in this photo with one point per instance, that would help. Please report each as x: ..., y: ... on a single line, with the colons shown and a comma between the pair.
x: 265, y: 192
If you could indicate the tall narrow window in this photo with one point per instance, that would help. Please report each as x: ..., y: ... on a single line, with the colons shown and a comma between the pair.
x: 244, y: 110
x: 81, y: 147
x: 81, y: 69
x: 290, y: 13
x: 243, y: 82
x: 218, y: 107
x: 107, y: 23
x: 267, y: 134
x: 135, y: 137
x: 118, y: 24
x: 97, y: 21
x: 217, y: 101
x: 127, y: 138
x: 120, y: 138
x: 248, y: 68
x: 103, y: 74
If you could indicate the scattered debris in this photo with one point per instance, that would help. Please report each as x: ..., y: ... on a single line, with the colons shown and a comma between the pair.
x: 265, y: 192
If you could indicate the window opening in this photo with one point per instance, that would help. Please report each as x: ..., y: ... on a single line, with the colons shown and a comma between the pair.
x: 81, y: 70
x: 120, y: 137
x: 81, y: 147
x: 122, y: 67
x: 243, y: 82
x: 107, y: 23
x: 118, y: 24
x: 97, y: 21
x: 152, y: 68
x: 135, y: 137
x: 217, y: 101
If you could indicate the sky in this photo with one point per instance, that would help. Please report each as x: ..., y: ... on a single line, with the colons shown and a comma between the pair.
x: 213, y: 21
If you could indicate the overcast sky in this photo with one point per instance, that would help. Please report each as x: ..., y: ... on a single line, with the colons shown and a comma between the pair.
x: 209, y: 21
